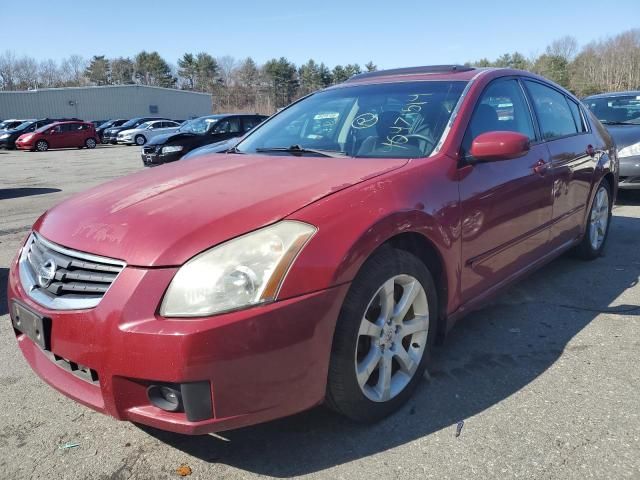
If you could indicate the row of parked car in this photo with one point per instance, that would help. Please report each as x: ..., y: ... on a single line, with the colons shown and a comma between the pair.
x: 162, y: 140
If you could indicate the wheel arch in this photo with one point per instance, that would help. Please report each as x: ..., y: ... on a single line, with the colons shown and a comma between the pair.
x: 423, y: 248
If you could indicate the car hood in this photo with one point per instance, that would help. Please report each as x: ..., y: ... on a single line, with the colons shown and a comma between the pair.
x: 170, y: 137
x: 164, y: 216
x: 129, y: 131
x: 624, y: 135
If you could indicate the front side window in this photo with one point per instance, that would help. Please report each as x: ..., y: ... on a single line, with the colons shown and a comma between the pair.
x: 228, y: 125
x: 554, y: 114
x: 385, y: 120
x: 251, y: 122
x: 502, y: 107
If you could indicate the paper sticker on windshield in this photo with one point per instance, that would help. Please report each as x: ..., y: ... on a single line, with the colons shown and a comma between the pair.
x: 366, y: 120
x: 324, y: 116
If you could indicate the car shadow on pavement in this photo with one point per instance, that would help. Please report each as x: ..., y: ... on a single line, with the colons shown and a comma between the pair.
x: 488, y: 356
x: 7, y: 193
x: 4, y: 280
x: 628, y: 197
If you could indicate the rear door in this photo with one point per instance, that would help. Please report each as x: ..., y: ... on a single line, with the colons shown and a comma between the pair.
x: 72, y: 136
x: 507, y: 204
x: 573, y: 158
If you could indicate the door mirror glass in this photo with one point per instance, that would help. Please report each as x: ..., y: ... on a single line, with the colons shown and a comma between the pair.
x: 499, y: 145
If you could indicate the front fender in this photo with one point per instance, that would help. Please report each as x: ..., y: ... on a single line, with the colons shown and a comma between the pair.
x: 353, y: 223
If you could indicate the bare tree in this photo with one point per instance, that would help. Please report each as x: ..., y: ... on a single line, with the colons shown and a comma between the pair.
x: 565, y: 47
x: 49, y: 74
x: 73, y: 69
x: 8, y: 70
x: 226, y: 65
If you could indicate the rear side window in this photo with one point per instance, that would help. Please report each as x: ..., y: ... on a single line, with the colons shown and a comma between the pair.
x: 250, y: 122
x: 502, y: 107
x: 577, y: 117
x: 554, y: 114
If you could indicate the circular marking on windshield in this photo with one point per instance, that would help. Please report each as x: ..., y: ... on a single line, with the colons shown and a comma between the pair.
x: 365, y: 120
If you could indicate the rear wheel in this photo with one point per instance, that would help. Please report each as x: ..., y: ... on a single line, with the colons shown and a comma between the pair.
x: 597, y: 228
x: 383, y: 336
x: 140, y: 140
x: 42, y: 146
x: 90, y: 143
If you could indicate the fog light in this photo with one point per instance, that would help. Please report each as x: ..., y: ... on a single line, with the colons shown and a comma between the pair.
x: 165, y: 397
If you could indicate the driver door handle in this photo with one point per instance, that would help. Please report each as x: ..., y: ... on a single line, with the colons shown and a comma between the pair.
x: 540, y: 167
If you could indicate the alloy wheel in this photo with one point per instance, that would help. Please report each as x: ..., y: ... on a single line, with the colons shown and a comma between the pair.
x: 42, y: 146
x: 599, y: 221
x: 392, y: 338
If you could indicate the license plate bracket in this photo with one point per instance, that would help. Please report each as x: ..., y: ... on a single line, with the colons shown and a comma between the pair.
x: 33, y: 325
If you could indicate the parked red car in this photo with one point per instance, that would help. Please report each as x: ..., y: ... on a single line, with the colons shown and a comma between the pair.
x: 317, y: 261
x: 59, y: 135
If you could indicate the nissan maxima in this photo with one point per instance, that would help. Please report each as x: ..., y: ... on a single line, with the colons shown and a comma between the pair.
x: 320, y: 258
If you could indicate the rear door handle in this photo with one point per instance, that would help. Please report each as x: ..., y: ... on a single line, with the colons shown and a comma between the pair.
x: 540, y: 167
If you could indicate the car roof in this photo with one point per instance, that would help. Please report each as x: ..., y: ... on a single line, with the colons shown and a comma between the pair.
x: 627, y: 93
x: 427, y: 72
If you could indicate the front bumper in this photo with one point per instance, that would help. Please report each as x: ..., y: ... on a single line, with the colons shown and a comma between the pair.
x: 629, y: 173
x: 152, y: 156
x: 261, y: 363
x: 7, y: 144
x: 125, y: 140
x: 25, y: 145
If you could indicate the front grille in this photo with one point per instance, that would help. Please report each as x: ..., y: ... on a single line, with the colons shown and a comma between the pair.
x: 60, y: 278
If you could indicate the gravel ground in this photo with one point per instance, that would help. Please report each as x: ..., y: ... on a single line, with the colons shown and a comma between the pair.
x: 546, y: 379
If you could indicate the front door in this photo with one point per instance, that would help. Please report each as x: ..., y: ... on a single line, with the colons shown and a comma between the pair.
x: 507, y: 204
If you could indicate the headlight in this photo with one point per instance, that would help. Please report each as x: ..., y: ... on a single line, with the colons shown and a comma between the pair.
x: 240, y: 273
x: 26, y: 138
x: 174, y: 148
x: 629, y: 151
x: 6, y: 135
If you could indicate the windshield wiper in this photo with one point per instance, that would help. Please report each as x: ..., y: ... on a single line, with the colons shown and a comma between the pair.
x: 611, y: 122
x: 299, y: 149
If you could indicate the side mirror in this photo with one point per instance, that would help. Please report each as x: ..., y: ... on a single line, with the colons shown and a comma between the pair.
x: 499, y: 145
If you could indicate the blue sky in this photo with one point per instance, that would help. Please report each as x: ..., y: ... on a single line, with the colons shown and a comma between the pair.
x: 391, y: 34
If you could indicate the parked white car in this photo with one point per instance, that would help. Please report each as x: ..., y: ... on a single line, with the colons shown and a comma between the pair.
x: 146, y: 131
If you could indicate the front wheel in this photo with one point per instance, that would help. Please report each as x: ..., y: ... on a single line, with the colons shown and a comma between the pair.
x: 90, y: 143
x: 42, y: 146
x: 140, y: 140
x: 597, y: 228
x: 383, y: 336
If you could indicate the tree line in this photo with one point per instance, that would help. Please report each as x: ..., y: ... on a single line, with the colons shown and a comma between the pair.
x: 610, y: 64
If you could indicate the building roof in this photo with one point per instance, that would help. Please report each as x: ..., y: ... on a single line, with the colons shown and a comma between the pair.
x: 99, y: 87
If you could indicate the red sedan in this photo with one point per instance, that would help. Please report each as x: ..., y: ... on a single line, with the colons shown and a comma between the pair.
x: 318, y: 260
x: 59, y: 135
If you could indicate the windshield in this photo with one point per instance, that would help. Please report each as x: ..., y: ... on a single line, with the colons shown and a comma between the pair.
x: 131, y: 123
x: 386, y: 121
x: 144, y: 125
x: 198, y: 125
x: 22, y: 125
x: 106, y: 124
x: 9, y: 125
x: 616, y: 108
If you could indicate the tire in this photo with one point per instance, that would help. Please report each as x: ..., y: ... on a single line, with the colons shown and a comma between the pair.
x: 140, y: 140
x: 90, y: 143
x: 42, y: 146
x: 357, y: 342
x: 598, y: 224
